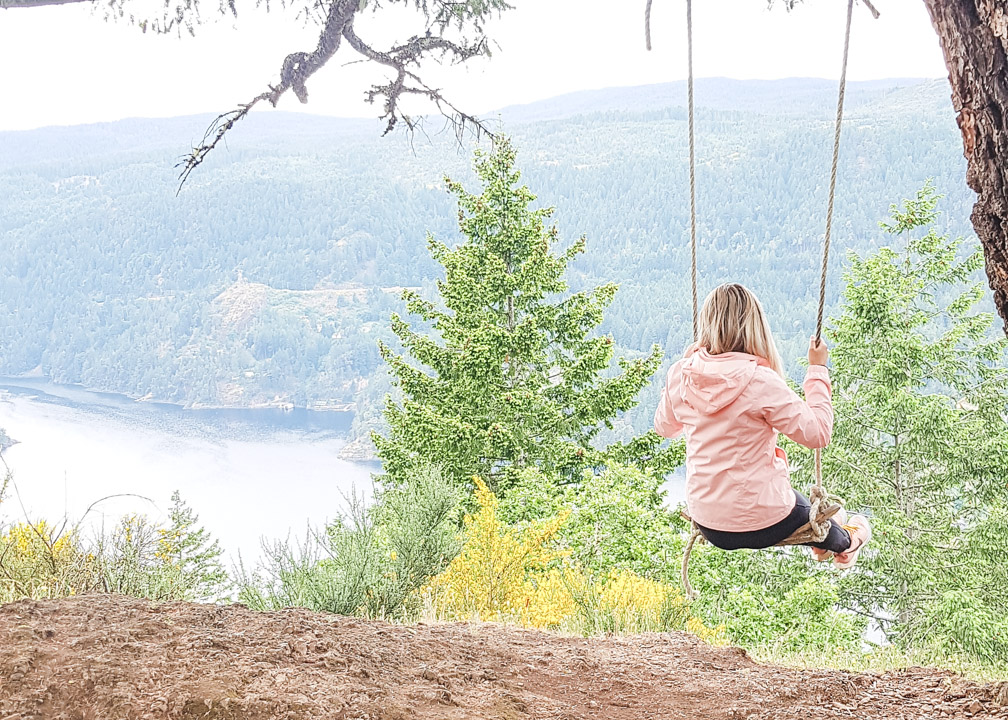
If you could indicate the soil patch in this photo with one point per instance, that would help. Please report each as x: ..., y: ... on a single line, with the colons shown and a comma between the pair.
x: 107, y: 657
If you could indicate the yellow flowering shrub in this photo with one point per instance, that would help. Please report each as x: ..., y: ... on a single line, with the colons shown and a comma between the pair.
x: 38, y: 561
x: 547, y: 599
x: 137, y: 557
x: 488, y: 579
x: 504, y: 574
x: 714, y: 636
x: 634, y: 603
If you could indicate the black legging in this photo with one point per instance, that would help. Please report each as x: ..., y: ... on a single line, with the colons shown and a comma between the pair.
x: 838, y: 540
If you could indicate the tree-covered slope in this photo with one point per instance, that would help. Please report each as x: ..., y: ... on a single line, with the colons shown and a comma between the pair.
x: 110, y: 280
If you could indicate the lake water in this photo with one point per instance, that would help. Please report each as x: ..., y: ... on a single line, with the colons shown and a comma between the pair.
x: 248, y: 474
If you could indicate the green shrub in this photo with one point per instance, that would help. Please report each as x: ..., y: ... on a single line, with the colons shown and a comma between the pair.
x: 369, y: 562
x: 958, y: 626
x: 332, y: 571
x: 617, y: 518
x: 773, y: 600
x: 137, y: 557
x: 417, y: 526
x: 179, y: 561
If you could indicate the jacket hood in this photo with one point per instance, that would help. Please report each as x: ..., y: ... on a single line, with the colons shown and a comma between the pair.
x: 712, y: 382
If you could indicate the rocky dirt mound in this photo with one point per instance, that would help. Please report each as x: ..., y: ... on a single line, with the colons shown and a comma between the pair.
x: 108, y: 657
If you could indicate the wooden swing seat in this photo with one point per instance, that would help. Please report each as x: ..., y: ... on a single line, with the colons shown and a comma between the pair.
x: 803, y: 535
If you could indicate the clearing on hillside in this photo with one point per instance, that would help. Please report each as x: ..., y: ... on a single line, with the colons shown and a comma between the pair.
x: 110, y: 657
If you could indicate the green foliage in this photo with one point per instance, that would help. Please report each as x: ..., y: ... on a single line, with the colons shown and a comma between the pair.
x: 959, y: 626
x: 507, y: 375
x: 920, y: 393
x: 336, y: 571
x: 192, y: 555
x: 369, y: 562
x: 796, y: 619
x: 417, y: 524
x: 179, y: 561
x: 617, y: 521
x: 773, y: 601
x: 284, y: 578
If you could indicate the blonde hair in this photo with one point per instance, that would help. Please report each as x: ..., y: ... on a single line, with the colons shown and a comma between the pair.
x: 732, y: 320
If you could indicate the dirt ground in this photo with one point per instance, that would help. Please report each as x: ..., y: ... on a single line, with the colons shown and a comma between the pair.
x: 111, y: 658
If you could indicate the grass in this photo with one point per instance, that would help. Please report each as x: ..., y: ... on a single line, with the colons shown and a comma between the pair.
x: 880, y: 660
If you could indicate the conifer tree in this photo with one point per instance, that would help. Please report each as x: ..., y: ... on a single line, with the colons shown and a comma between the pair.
x: 190, y: 556
x: 506, y: 373
x: 921, y: 441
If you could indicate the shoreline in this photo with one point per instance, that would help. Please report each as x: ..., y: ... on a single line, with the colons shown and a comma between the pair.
x: 317, y: 406
x: 355, y: 449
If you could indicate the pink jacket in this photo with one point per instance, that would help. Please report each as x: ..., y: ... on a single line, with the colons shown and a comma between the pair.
x: 731, y: 407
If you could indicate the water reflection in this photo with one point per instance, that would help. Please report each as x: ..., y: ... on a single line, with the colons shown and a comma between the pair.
x: 247, y: 473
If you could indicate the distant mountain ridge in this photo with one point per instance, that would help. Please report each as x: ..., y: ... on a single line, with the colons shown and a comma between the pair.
x: 786, y: 96
x: 173, y: 136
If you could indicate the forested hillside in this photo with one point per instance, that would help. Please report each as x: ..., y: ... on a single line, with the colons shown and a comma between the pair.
x: 271, y: 276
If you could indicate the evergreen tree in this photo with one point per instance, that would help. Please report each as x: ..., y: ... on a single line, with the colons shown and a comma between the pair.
x: 507, y: 374
x: 190, y: 556
x: 920, y: 392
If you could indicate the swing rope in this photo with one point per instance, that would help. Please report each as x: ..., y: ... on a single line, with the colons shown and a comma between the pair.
x: 695, y: 535
x: 692, y: 167
x: 817, y: 496
x: 820, y: 511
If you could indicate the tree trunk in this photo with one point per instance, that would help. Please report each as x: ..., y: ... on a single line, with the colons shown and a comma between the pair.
x: 974, y: 38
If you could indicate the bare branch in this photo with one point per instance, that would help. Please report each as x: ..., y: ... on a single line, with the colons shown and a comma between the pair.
x: 411, y: 53
x: 221, y: 124
x: 339, y: 25
x: 297, y: 68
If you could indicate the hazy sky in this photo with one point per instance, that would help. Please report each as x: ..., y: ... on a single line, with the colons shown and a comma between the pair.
x: 64, y: 65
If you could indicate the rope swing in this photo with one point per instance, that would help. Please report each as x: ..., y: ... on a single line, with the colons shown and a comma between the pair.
x: 823, y: 507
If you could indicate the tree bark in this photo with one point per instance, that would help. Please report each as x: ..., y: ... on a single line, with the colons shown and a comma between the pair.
x: 974, y: 38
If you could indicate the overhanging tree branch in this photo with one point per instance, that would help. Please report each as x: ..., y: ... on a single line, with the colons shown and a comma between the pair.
x: 439, y: 17
x: 297, y: 68
x: 407, y: 82
x: 404, y: 59
x: 161, y: 17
